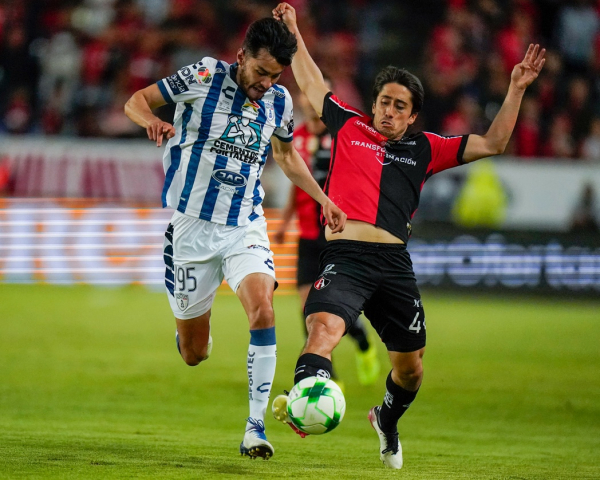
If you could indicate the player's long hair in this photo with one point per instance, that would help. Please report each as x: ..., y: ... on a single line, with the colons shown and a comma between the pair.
x: 391, y: 74
x: 274, y: 37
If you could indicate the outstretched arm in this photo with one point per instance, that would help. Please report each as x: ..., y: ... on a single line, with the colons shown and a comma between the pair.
x: 307, y: 74
x: 495, y: 140
x: 296, y: 170
x: 139, y: 109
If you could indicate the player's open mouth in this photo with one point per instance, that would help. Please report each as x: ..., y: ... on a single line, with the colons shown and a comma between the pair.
x: 386, y: 124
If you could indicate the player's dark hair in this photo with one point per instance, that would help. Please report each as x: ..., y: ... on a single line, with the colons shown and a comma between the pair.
x: 274, y: 36
x: 391, y: 74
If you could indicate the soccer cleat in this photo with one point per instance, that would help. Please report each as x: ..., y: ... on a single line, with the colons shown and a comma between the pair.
x: 391, y: 450
x: 367, y: 366
x: 279, y: 408
x: 255, y: 442
x: 280, y: 413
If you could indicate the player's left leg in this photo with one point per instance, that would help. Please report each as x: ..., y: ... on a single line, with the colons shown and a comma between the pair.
x: 248, y: 268
x: 396, y: 312
x: 402, y: 386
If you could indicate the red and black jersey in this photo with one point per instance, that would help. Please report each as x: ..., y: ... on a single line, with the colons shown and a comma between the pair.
x: 376, y: 180
x: 316, y: 152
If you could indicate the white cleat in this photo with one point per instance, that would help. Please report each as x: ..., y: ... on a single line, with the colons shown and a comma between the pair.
x: 255, y: 443
x: 390, y: 448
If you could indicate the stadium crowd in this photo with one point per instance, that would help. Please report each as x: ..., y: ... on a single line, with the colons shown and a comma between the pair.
x: 68, y: 66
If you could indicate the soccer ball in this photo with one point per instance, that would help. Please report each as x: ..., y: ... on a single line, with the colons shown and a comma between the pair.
x: 316, y: 405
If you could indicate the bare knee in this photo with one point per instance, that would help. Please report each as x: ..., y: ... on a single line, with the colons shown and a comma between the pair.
x: 194, y: 355
x: 261, y: 315
x: 407, y: 369
x: 409, y: 377
x: 324, y: 333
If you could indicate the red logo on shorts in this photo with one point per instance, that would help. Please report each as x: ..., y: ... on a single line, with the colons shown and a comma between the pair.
x: 321, y: 283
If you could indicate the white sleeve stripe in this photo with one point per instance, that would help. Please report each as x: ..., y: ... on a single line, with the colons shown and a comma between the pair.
x: 344, y: 108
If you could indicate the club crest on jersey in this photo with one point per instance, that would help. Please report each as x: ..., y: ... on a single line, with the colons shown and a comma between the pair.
x: 182, y: 300
x: 241, y: 130
x: 203, y: 75
x: 321, y: 283
x: 270, y: 110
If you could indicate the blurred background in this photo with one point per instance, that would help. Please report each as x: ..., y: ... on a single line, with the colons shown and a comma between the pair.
x: 80, y: 185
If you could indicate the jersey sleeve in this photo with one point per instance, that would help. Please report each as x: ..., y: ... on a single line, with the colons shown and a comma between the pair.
x: 336, y: 113
x: 446, y: 152
x: 188, y: 83
x: 284, y: 107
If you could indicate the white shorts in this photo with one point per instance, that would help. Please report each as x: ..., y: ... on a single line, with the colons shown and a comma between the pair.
x: 199, y: 254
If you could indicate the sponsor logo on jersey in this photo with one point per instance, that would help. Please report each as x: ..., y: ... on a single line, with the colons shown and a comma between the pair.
x: 321, y: 283
x: 203, y: 75
x: 277, y: 93
x: 182, y: 300
x: 369, y: 145
x: 369, y: 129
x: 251, y: 107
x: 390, y: 157
x: 188, y: 75
x: 411, y: 142
x: 229, y: 181
x: 176, y: 84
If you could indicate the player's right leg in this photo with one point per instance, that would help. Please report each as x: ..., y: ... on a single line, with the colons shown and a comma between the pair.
x: 334, y: 303
x: 192, y: 275
x: 193, y: 339
x: 325, y: 330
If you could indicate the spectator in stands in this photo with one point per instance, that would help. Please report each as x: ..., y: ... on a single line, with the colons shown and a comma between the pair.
x: 577, y: 27
x: 590, y: 149
x: 527, y: 132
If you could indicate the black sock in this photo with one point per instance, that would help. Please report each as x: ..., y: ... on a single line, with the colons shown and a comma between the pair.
x: 312, y: 365
x: 359, y: 333
x: 395, y: 403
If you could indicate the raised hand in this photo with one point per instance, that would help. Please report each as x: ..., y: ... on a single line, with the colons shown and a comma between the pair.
x: 285, y: 13
x: 528, y: 70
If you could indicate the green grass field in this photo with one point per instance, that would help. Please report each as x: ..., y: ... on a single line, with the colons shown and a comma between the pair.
x: 91, y: 386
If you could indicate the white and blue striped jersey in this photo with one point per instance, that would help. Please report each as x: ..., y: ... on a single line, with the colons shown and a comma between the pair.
x: 214, y: 162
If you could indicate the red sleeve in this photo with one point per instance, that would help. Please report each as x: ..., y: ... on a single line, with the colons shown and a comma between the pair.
x: 446, y: 152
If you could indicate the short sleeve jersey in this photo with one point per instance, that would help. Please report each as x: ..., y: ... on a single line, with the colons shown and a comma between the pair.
x: 214, y: 162
x: 376, y: 180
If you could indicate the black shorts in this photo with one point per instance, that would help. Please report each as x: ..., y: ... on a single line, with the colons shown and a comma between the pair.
x: 376, y: 278
x: 309, y: 252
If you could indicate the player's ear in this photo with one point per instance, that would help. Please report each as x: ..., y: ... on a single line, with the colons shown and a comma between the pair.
x: 412, y: 118
x: 241, y: 56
